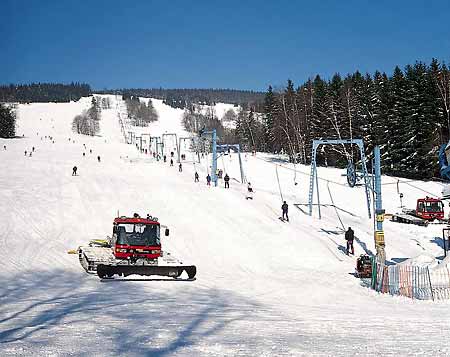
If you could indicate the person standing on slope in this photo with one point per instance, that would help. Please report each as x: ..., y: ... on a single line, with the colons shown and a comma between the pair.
x: 249, y: 192
x: 196, y: 176
x: 284, y: 209
x: 208, y: 180
x: 349, y: 237
x: 74, y: 171
x: 180, y: 167
x: 171, y: 162
x: 227, y: 181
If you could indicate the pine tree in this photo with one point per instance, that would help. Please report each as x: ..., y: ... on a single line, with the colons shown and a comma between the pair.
x: 7, y: 122
x: 321, y: 127
x: 396, y: 117
x: 269, y: 121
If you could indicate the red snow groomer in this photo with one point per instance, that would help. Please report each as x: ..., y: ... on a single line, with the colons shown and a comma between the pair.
x: 134, y: 248
x: 427, y: 209
x: 430, y: 208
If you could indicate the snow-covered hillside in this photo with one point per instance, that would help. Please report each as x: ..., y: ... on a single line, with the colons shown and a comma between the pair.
x: 264, y: 287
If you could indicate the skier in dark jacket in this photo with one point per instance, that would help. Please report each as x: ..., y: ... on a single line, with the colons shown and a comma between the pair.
x: 249, y: 195
x: 74, y: 171
x: 284, y: 209
x: 196, y: 176
x: 171, y: 162
x: 227, y: 181
x: 164, y: 158
x: 180, y: 167
x: 208, y: 180
x: 349, y: 237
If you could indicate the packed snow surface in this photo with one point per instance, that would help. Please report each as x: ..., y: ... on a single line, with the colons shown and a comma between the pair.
x: 264, y: 287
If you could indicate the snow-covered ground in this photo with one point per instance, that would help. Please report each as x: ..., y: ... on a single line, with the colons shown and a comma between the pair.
x: 264, y: 287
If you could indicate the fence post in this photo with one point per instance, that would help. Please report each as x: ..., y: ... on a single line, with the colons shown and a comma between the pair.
x: 429, y: 281
x: 380, y: 285
x: 374, y: 273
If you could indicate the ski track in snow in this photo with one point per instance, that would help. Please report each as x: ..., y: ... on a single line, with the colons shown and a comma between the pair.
x: 264, y: 287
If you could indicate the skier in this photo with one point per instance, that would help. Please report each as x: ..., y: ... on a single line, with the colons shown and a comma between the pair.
x: 171, y: 162
x: 171, y: 154
x: 84, y: 154
x: 25, y: 153
x: 284, y: 208
x: 31, y: 153
x: 74, y: 171
x: 90, y: 151
x: 227, y: 181
x: 208, y: 180
x: 249, y: 192
x: 33, y: 148
x: 165, y: 158
x: 98, y: 158
x: 4, y: 147
x: 196, y: 176
x: 180, y: 167
x: 349, y: 237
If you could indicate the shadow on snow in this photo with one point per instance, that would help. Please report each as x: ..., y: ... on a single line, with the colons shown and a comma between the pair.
x: 62, y: 309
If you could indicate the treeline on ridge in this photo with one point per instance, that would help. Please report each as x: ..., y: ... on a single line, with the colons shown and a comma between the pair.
x: 183, y: 98
x: 43, y: 92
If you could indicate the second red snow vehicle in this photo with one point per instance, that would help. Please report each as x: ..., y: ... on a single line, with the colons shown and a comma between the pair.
x: 134, y: 248
x: 427, y: 209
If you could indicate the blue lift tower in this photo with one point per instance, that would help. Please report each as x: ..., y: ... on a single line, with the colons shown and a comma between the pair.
x: 372, y: 185
x: 213, y: 134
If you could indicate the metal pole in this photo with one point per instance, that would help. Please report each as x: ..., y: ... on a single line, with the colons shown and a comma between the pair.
x: 312, y: 178
x: 197, y: 147
x: 379, y: 211
x: 240, y: 164
x: 214, y: 158
x: 318, y: 197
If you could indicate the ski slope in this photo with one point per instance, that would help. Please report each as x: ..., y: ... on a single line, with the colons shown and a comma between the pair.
x: 264, y: 287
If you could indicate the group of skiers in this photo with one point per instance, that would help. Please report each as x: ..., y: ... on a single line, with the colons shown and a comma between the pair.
x: 29, y: 153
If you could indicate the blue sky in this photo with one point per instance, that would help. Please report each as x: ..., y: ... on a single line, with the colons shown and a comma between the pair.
x: 219, y: 44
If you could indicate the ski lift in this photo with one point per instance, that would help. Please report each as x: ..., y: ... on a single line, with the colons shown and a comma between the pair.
x: 351, y: 174
x: 353, y: 177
